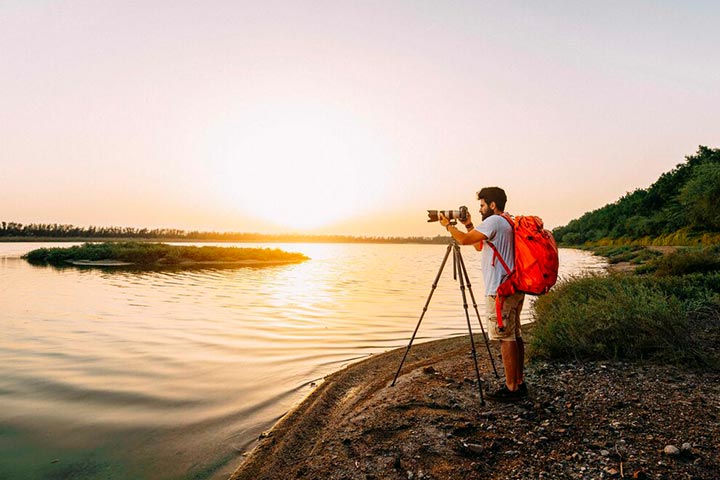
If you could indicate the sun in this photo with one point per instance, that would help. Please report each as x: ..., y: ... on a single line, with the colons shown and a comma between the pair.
x: 301, y: 170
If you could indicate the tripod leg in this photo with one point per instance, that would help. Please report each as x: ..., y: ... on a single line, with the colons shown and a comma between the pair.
x: 432, y: 290
x: 472, y: 297
x: 467, y: 318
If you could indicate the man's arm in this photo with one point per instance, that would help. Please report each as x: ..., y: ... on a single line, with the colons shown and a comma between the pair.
x: 470, y: 238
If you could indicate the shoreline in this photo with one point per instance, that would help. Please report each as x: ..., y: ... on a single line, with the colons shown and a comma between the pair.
x: 187, y: 263
x: 581, y: 420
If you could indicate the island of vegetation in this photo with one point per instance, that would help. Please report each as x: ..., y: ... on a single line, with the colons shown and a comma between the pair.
x: 145, y: 254
x: 623, y: 369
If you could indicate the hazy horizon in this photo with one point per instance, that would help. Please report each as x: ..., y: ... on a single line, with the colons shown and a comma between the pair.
x: 342, y: 118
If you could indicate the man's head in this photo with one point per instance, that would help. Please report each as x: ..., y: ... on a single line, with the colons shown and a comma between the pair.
x: 492, y: 201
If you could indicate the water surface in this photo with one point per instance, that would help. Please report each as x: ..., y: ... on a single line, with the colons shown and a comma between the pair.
x: 149, y: 374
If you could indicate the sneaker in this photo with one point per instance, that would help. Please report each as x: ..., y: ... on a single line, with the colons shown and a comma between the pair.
x: 522, y: 389
x: 504, y: 395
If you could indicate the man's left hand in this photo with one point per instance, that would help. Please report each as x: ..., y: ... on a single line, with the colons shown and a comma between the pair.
x: 444, y: 222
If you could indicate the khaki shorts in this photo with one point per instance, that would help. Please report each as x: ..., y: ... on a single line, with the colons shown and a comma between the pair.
x: 510, y: 314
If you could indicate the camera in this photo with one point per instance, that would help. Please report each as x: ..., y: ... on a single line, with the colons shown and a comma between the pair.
x: 459, y: 214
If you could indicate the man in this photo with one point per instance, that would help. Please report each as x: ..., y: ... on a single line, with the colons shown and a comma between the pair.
x: 499, y: 231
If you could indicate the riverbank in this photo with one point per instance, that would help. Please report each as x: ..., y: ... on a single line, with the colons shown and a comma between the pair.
x: 581, y: 420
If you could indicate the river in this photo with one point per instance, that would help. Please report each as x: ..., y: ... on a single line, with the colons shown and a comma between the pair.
x: 117, y: 374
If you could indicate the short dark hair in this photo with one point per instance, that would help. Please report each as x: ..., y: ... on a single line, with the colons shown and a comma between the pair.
x: 493, y: 194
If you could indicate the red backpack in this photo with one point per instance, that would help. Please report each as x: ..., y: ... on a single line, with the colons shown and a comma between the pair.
x: 536, y: 261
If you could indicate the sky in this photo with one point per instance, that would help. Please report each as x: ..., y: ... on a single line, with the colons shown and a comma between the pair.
x: 344, y: 117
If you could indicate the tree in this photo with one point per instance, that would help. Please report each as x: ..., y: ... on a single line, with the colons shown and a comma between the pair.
x: 701, y: 197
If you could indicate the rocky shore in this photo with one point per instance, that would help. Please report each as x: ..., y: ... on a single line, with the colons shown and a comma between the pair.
x: 598, y: 420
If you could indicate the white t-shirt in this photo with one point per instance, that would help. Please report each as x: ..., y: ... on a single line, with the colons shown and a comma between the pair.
x: 500, y: 233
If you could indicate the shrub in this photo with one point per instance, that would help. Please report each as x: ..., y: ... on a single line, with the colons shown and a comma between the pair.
x: 622, y: 317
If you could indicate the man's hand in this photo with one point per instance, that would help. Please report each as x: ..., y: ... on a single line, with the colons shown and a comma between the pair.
x: 468, y: 221
x: 444, y: 222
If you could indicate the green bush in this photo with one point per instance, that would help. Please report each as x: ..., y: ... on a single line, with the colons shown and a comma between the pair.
x: 624, y: 317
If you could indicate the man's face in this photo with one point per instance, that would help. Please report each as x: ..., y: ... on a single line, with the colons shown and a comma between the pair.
x: 485, y: 209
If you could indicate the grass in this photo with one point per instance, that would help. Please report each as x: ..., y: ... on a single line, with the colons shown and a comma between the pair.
x: 684, y: 262
x: 154, y: 254
x: 625, y: 253
x: 682, y: 237
x: 672, y: 319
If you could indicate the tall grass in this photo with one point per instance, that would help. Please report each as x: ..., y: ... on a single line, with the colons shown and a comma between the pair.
x: 671, y: 319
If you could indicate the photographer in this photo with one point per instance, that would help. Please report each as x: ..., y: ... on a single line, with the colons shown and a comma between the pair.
x: 496, y: 229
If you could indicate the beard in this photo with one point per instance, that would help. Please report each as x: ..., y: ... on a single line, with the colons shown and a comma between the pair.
x: 486, y: 215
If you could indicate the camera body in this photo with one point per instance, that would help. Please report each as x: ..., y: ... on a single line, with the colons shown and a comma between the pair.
x: 459, y: 214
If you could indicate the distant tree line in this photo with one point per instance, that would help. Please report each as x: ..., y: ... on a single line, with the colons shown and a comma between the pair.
x: 13, y: 230
x: 683, y: 202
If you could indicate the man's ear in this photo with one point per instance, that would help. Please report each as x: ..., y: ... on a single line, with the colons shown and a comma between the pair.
x: 492, y: 206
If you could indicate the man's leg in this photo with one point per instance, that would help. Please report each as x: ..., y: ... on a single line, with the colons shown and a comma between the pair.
x: 512, y: 347
x: 520, y: 375
x: 511, y: 361
x: 520, y: 372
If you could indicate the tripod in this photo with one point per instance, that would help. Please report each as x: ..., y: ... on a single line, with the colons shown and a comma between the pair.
x: 458, y: 268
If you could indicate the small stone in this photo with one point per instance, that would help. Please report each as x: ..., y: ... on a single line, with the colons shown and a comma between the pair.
x: 686, y: 447
x: 612, y: 472
x: 57, y: 460
x: 604, y: 453
x: 429, y: 370
x: 474, y: 447
x: 671, y: 450
x: 410, y: 475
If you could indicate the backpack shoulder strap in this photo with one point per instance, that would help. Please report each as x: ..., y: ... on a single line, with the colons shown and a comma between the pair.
x: 509, y: 219
x: 496, y: 254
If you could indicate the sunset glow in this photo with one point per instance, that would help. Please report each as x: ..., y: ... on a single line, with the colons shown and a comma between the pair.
x: 300, y: 167
x: 344, y: 117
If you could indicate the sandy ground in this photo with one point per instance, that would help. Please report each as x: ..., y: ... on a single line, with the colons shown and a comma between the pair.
x: 581, y: 420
